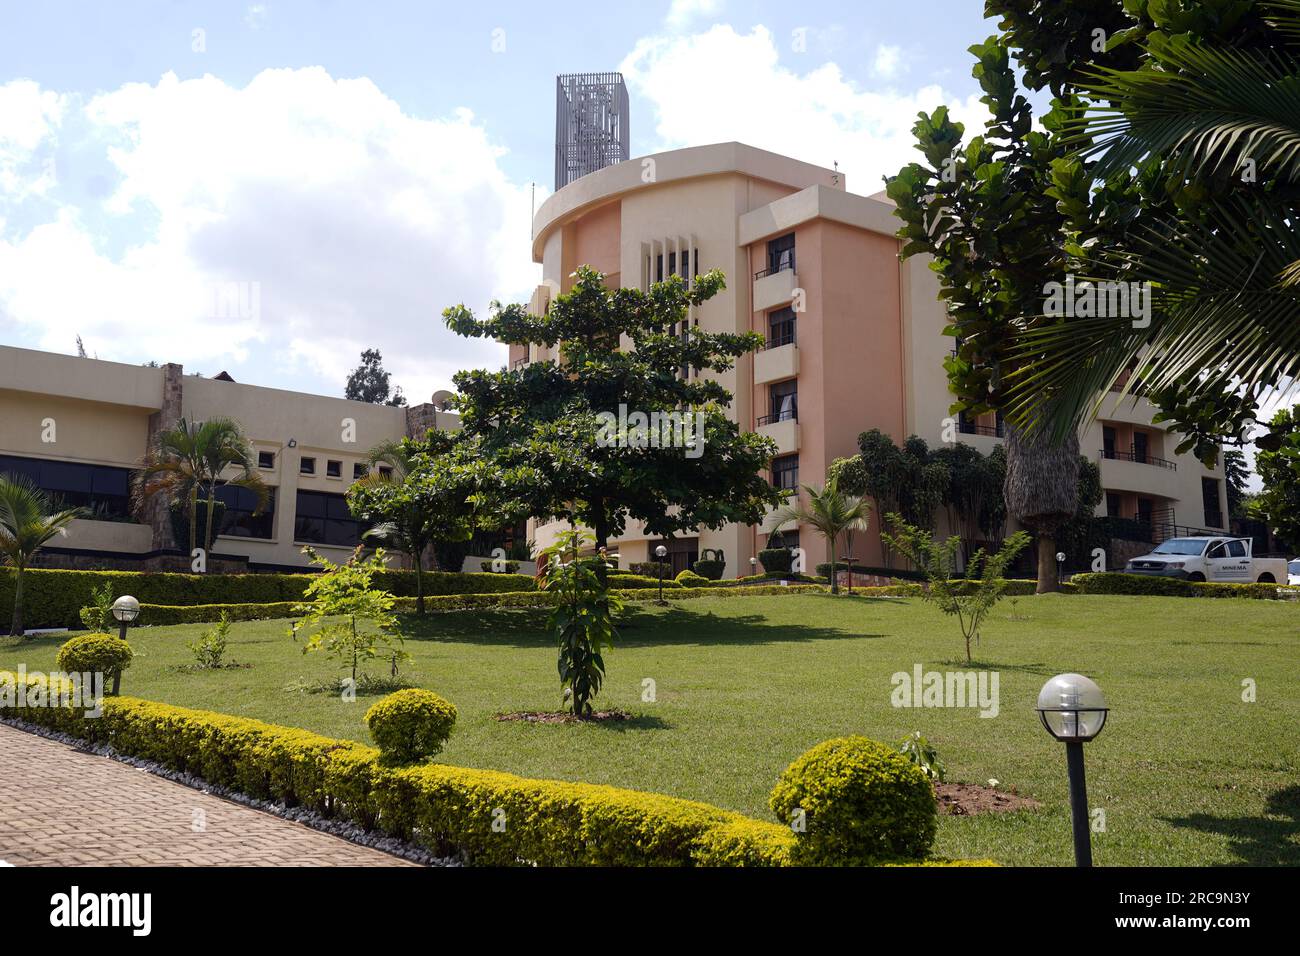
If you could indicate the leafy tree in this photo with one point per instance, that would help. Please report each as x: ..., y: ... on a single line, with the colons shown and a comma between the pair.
x: 1278, y: 504
x: 831, y: 513
x: 542, y: 443
x: 1194, y: 190
x: 583, y: 619
x: 988, y: 215
x: 970, y: 598
x: 189, y: 460
x: 416, y: 502
x: 28, y: 522
x: 345, y: 615
x: 369, y: 382
x: 1236, y: 473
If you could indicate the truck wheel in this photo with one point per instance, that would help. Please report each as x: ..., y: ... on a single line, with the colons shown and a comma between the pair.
x: 1266, y: 578
x: 1196, y: 576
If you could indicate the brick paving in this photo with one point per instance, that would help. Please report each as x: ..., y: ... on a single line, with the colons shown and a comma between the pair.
x: 62, y: 807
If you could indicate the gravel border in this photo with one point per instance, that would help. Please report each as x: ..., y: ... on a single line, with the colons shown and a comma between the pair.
x: 339, y: 828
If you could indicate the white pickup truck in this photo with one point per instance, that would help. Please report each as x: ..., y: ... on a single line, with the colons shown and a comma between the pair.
x: 1217, y: 559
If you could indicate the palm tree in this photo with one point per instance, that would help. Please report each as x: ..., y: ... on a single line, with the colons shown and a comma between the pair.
x: 1042, y: 491
x: 1217, y: 121
x: 190, y: 458
x: 831, y: 512
x: 408, y: 528
x: 28, y: 522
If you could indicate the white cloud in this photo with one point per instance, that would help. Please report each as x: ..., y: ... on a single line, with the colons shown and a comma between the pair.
x: 255, y: 16
x: 888, y: 59
x: 355, y: 222
x: 29, y: 122
x: 721, y: 85
x: 682, y: 13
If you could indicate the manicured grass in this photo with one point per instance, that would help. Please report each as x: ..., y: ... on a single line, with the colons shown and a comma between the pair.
x: 1186, y: 772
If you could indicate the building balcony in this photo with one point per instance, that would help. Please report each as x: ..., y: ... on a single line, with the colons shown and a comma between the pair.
x: 1123, y: 474
x: 774, y: 289
x: 782, y: 429
x: 776, y: 362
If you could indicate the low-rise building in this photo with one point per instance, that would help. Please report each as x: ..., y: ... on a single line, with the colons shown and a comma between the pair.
x: 79, y: 426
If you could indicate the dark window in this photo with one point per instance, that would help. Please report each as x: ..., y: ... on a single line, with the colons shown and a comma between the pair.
x: 266, y: 459
x: 359, y: 470
x: 780, y: 254
x: 104, y: 491
x: 306, y: 466
x: 239, y: 521
x: 1113, y: 507
x: 1140, y: 446
x: 785, y: 472
x: 333, y: 469
x: 1210, y: 499
x: 385, y: 471
x: 690, y: 265
x: 1107, y: 442
x: 783, y: 404
x: 323, y: 518
x: 1236, y: 549
x: 1144, y: 510
x: 682, y: 554
x: 780, y: 327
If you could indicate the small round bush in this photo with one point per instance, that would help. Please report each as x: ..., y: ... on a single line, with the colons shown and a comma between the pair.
x: 95, y: 653
x: 863, y: 803
x: 776, y: 560
x: 410, y: 725
x: 689, y: 579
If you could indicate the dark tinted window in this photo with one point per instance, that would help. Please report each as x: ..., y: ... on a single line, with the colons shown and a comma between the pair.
x: 323, y: 518
x: 239, y: 521
x: 103, y: 490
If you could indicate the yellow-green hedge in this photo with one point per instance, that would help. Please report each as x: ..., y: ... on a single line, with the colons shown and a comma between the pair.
x: 54, y: 598
x: 1150, y: 584
x: 447, y: 809
x: 159, y: 615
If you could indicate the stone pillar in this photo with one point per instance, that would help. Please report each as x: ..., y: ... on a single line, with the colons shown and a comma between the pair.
x: 419, y: 419
x: 156, y: 511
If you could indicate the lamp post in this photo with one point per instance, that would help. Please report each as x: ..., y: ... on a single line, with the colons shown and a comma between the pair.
x: 661, y: 552
x: 125, y: 609
x: 753, y: 565
x: 1060, y: 564
x: 1073, y: 710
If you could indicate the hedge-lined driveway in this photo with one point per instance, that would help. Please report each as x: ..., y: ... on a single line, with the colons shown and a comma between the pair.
x: 63, y: 807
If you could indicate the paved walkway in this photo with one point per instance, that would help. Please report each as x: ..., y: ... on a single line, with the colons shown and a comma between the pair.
x: 62, y: 807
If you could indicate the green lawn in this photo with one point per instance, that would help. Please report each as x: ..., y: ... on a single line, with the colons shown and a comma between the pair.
x: 1185, y: 771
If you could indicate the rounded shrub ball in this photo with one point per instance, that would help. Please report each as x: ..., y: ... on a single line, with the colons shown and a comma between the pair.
x: 862, y: 802
x: 100, y: 653
x: 410, y: 725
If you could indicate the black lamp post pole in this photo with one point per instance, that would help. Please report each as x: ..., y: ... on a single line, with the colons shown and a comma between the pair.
x: 1078, y: 803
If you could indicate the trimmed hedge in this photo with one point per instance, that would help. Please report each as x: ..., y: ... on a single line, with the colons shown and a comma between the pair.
x: 54, y: 598
x: 1115, y: 582
x: 446, y: 809
x: 162, y: 615
x: 904, y: 574
x: 711, y: 569
x: 652, y: 569
x: 410, y: 725
x: 776, y: 560
x: 863, y: 802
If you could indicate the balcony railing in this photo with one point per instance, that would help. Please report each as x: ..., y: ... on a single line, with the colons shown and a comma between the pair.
x: 1140, y: 458
x: 786, y: 415
x: 519, y: 363
x: 786, y: 263
x: 971, y: 428
x: 780, y: 334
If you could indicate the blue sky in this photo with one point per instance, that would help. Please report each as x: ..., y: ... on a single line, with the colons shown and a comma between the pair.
x: 269, y: 188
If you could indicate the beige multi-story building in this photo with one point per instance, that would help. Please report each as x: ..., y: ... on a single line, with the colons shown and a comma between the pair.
x: 79, y: 426
x: 854, y: 337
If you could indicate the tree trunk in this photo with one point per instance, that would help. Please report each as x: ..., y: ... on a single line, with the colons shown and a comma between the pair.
x: 1048, y: 579
x: 194, y: 517
x: 207, y: 531
x: 418, y: 557
x: 16, y: 628
x: 835, y: 583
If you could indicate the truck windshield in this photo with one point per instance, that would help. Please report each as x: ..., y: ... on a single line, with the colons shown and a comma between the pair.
x: 1180, y: 546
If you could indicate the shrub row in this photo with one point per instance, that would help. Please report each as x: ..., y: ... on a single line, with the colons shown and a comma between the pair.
x: 1147, y: 584
x: 161, y: 615
x: 54, y: 598
x: 455, y: 810
x: 447, y: 809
